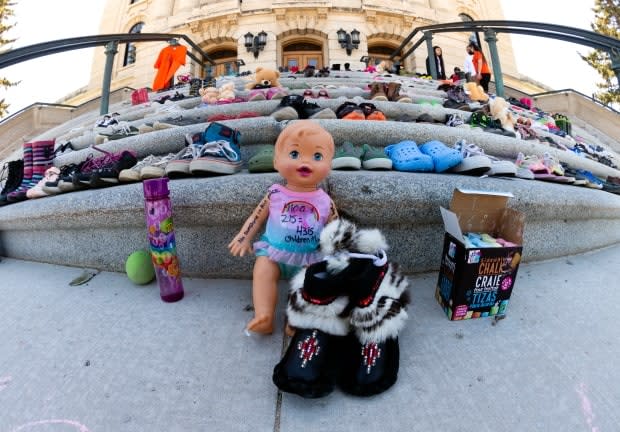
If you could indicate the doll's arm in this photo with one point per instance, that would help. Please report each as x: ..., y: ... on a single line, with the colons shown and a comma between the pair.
x: 333, y: 212
x: 242, y: 243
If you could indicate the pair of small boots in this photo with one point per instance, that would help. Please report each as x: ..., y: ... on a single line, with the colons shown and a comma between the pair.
x: 347, y: 311
x: 387, y: 92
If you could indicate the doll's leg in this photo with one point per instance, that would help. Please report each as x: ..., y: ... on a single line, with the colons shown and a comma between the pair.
x: 264, y: 295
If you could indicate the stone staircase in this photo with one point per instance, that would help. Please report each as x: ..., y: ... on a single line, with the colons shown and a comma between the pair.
x: 100, y: 227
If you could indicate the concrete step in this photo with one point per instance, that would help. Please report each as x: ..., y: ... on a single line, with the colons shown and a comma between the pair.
x: 101, y: 227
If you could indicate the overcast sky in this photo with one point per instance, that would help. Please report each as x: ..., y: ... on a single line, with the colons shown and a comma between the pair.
x: 49, y: 78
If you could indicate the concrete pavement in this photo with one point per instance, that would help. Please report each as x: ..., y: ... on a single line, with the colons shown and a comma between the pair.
x: 111, y: 356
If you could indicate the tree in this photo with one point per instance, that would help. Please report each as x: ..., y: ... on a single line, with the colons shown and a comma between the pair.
x: 606, y: 22
x: 5, y: 13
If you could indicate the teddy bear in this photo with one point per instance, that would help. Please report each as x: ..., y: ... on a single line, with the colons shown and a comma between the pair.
x: 209, y: 95
x: 227, y: 92
x: 264, y: 78
x: 475, y: 92
x: 499, y: 109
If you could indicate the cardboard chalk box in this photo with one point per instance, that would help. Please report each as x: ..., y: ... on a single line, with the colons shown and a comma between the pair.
x: 477, y: 282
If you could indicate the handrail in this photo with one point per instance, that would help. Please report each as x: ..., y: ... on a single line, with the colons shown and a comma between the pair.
x: 554, y: 31
x: 110, y: 41
x: 491, y: 27
x: 570, y: 90
x: 30, y: 52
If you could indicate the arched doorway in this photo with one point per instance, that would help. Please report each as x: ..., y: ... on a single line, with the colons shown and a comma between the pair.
x: 302, y: 54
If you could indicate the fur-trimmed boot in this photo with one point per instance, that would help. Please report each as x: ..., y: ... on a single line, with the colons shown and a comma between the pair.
x: 378, y: 301
x: 309, y: 367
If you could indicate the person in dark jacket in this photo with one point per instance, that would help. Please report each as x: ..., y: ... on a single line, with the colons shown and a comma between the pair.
x: 438, y: 57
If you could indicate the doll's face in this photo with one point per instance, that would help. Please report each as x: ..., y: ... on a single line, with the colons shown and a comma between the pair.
x: 304, y: 158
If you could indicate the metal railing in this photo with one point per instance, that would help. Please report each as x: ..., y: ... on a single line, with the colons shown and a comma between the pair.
x: 110, y: 42
x: 491, y: 27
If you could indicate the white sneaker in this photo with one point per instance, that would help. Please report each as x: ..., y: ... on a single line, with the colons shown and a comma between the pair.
x: 475, y: 162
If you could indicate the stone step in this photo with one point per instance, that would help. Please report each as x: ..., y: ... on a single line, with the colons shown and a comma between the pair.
x: 100, y: 227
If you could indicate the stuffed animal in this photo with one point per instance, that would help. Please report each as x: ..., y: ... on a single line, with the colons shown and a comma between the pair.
x: 227, y: 92
x: 347, y: 311
x: 499, y: 109
x: 264, y: 78
x: 381, y: 67
x: 476, y: 92
x: 209, y: 95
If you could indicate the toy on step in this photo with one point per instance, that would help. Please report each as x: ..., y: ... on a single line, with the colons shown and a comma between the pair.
x: 264, y: 78
x: 226, y: 93
x: 500, y: 110
x: 294, y: 213
x: 347, y: 311
x: 209, y: 95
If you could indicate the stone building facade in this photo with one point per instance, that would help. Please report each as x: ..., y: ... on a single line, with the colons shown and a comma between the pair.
x: 294, y: 33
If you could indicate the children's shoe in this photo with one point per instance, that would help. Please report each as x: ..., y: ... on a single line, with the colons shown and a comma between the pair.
x: 262, y: 161
x: 371, y: 112
x: 474, y: 162
x: 406, y: 156
x: 377, y: 92
x: 374, y: 158
x: 217, y: 157
x: 347, y: 156
x: 443, y: 157
x: 179, y: 165
x: 107, y: 174
x: 51, y: 175
x: 350, y: 111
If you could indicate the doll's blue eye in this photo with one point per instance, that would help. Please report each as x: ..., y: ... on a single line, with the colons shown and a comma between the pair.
x: 318, y: 157
x: 294, y: 154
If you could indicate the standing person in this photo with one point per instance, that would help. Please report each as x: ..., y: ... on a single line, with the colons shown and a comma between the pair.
x: 483, y: 73
x: 438, y: 57
x: 468, y: 67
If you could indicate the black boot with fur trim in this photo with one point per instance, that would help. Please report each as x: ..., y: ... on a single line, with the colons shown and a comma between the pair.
x: 309, y: 367
x: 378, y: 300
x: 371, y: 360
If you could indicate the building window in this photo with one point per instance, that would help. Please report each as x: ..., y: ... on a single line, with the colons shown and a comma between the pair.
x: 130, y: 47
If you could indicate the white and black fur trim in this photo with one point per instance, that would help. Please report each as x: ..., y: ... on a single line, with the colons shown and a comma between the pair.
x: 386, y: 315
x: 341, y: 236
x: 325, y: 317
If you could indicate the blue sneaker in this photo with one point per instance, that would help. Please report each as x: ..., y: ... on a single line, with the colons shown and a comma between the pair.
x: 219, y: 131
x: 217, y: 157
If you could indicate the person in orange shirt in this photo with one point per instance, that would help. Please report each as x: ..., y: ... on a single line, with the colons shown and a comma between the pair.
x: 483, y: 72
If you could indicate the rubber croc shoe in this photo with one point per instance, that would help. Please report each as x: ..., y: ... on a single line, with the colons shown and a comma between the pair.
x: 406, y: 156
x: 262, y: 161
x: 443, y: 156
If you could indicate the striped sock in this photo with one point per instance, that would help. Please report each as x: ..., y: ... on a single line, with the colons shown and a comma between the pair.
x: 42, y: 156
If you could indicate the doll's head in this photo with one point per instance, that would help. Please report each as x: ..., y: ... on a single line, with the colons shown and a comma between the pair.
x: 303, y: 155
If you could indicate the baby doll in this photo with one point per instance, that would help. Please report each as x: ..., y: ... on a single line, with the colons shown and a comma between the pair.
x: 295, y: 214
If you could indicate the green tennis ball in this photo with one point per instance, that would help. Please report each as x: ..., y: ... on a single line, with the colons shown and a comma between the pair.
x: 139, y: 267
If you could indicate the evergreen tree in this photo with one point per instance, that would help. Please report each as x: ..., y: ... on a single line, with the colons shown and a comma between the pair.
x: 5, y: 13
x: 606, y: 22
